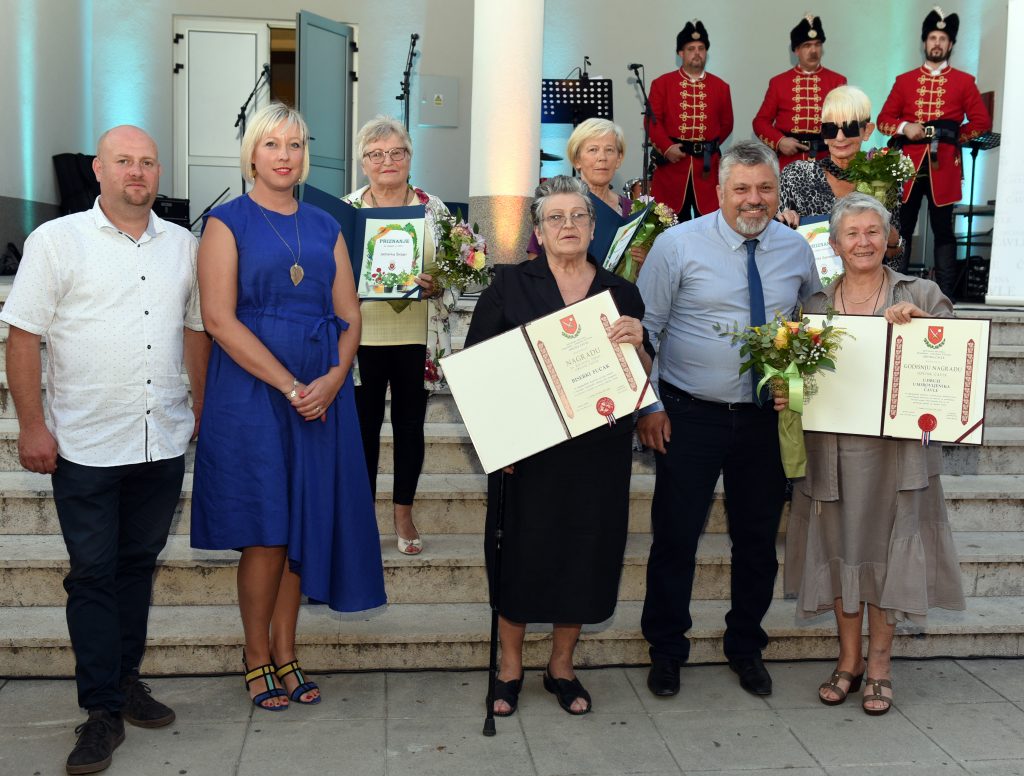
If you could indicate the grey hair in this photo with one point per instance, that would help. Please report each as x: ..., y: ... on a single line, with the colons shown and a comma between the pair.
x: 559, y: 184
x: 381, y: 127
x: 749, y: 153
x: 854, y: 204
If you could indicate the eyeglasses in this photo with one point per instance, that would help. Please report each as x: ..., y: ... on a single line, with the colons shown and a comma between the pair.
x: 557, y: 220
x: 395, y: 154
x: 830, y: 129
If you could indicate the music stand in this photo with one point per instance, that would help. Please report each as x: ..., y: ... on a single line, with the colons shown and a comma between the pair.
x: 985, y: 142
x: 566, y: 101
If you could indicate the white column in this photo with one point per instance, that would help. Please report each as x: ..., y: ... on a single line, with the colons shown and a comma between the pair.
x: 1006, y: 275
x: 508, y: 51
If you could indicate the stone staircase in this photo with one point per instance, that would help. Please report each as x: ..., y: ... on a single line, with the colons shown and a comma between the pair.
x: 438, y: 616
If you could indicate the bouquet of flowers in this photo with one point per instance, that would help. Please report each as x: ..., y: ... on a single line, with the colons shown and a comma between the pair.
x: 461, y: 258
x: 881, y: 172
x: 788, y: 354
x: 658, y: 219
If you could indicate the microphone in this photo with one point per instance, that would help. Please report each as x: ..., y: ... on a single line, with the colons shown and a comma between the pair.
x: 266, y: 70
x: 415, y: 36
x: 634, y: 66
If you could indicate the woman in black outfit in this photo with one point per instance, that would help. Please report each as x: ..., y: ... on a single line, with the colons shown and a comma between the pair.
x: 565, y: 509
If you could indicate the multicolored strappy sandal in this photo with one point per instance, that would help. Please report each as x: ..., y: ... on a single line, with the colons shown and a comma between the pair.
x: 304, y: 686
x: 267, y: 673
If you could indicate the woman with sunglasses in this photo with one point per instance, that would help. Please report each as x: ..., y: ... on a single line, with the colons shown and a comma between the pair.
x: 400, y: 344
x: 811, y: 188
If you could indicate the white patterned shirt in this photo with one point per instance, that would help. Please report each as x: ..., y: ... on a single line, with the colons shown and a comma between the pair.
x: 113, y: 312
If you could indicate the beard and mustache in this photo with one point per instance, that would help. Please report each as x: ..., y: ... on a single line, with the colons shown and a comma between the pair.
x: 751, y: 224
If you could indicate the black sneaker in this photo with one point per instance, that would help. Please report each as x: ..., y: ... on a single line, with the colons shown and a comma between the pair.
x: 140, y: 707
x: 98, y: 737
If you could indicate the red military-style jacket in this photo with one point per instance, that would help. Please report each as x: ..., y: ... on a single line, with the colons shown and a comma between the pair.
x: 695, y: 111
x: 792, y: 106
x: 922, y: 96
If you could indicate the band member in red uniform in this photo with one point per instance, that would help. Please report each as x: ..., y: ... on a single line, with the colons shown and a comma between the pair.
x: 789, y: 119
x: 692, y: 118
x: 924, y: 115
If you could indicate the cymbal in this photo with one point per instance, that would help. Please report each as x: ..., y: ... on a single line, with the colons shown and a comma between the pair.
x: 546, y: 157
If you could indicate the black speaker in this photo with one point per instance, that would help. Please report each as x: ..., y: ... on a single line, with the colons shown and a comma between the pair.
x: 173, y: 210
x: 974, y: 280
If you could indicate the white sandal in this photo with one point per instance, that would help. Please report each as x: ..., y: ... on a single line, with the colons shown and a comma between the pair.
x: 410, y: 546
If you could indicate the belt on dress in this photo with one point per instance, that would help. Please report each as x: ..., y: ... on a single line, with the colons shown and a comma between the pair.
x: 320, y: 325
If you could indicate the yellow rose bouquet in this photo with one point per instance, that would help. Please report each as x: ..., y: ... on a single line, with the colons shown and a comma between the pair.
x: 787, y: 355
x: 461, y: 259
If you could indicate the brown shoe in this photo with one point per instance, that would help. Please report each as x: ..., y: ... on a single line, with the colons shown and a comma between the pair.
x: 140, y: 707
x: 98, y: 737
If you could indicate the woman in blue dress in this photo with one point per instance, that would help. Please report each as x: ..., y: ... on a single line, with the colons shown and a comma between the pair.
x: 279, y: 468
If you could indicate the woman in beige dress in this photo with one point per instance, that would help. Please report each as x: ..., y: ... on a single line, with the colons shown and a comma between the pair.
x: 868, y: 524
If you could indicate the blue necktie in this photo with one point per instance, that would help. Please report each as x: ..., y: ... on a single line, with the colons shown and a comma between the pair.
x: 756, y: 306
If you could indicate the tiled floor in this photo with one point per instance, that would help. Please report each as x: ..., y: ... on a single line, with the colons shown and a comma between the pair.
x: 953, y: 717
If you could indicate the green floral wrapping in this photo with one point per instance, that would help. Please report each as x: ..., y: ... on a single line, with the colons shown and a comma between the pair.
x: 791, y: 444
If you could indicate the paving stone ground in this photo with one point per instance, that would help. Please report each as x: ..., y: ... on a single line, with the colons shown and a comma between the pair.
x: 951, y: 717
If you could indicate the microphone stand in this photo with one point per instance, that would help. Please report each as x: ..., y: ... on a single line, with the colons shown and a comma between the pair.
x: 648, y: 114
x: 404, y: 96
x: 240, y: 121
x: 208, y: 208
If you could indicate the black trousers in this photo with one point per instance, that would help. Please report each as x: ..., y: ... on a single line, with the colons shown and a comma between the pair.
x: 115, y: 521
x: 941, y: 219
x: 402, y: 367
x: 689, y: 210
x: 743, y: 445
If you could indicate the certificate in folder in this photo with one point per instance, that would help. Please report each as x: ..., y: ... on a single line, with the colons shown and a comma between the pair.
x: 815, y: 229
x: 545, y: 382
x: 385, y: 245
x: 920, y: 380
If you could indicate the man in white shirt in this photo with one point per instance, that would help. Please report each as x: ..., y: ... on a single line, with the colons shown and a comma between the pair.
x: 114, y: 291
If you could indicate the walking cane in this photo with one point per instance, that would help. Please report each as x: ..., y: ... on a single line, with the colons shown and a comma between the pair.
x: 492, y: 665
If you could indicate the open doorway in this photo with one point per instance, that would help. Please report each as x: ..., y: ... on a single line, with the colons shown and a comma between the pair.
x: 217, y: 63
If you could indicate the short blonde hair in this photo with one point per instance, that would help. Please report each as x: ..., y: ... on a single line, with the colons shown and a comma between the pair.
x: 590, y: 129
x: 846, y: 103
x: 265, y: 121
x: 378, y: 128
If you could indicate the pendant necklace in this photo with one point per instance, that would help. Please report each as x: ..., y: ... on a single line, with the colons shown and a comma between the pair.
x: 295, y: 273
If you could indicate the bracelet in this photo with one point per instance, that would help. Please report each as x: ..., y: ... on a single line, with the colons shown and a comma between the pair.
x: 293, y: 393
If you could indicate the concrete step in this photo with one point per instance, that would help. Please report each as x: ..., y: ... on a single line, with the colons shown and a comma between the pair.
x: 1006, y: 364
x: 1007, y: 325
x: 1004, y: 404
x: 208, y: 639
x: 449, y: 450
x: 455, y: 503
x: 450, y: 570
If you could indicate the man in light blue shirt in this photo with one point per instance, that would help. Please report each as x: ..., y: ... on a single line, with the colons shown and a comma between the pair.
x: 732, y: 267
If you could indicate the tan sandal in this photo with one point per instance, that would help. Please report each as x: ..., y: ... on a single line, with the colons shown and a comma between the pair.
x: 832, y: 685
x: 875, y: 686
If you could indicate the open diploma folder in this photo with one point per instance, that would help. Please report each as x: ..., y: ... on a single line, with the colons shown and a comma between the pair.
x: 906, y: 381
x: 550, y: 380
x: 385, y: 245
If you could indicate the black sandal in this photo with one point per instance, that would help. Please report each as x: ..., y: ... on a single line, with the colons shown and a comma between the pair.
x: 566, y: 691
x: 508, y: 692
